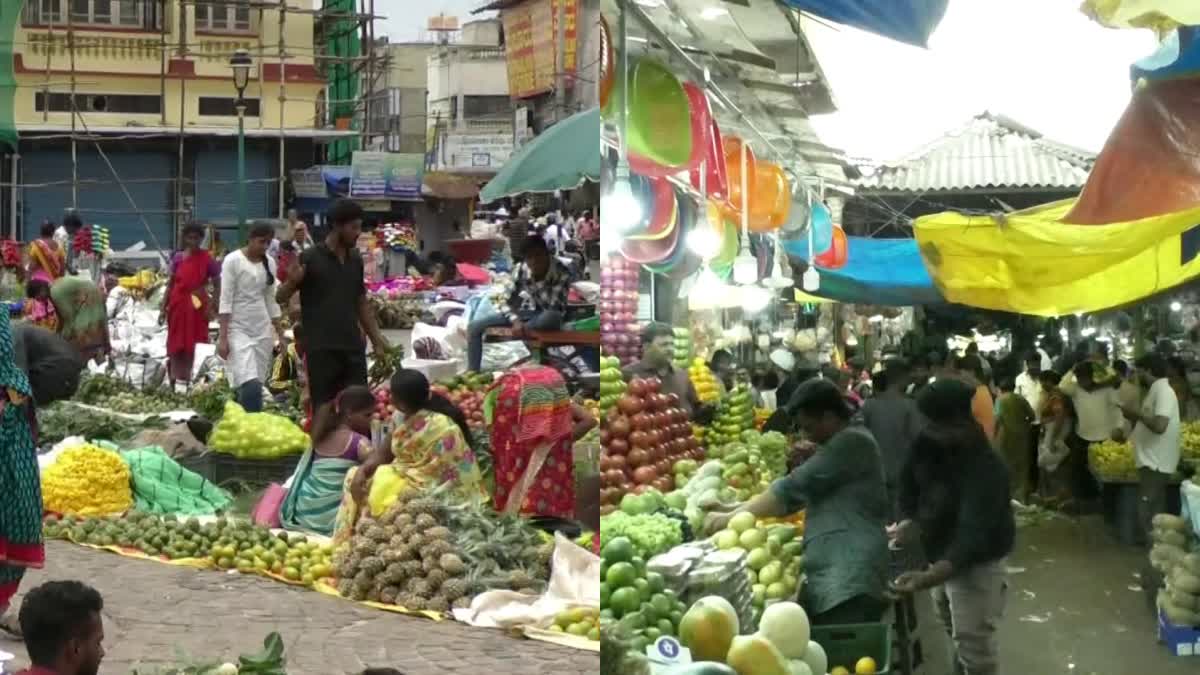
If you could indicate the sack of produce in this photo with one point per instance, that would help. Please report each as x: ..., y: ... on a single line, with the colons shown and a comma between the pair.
x: 256, y: 435
x: 1170, y: 537
x: 161, y: 485
x: 1170, y: 521
x: 1176, y: 615
x: 1163, y: 557
x: 87, y: 480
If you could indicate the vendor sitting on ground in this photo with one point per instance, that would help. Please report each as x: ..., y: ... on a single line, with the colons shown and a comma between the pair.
x: 842, y: 487
x: 430, y: 447
x: 538, y: 300
x: 341, y: 440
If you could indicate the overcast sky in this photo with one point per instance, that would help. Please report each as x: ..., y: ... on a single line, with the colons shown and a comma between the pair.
x: 406, y: 19
x: 1040, y: 62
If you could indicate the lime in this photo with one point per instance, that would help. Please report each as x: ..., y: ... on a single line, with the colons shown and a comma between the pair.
x: 624, y: 600
x: 662, y: 604
x: 666, y: 626
x: 620, y: 549
x: 604, y: 594
x: 643, y: 588
x: 652, y: 634
x: 621, y: 574
x: 656, y: 581
x: 578, y: 629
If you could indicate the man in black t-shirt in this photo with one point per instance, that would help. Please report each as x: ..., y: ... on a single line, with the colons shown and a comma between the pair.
x: 334, y: 307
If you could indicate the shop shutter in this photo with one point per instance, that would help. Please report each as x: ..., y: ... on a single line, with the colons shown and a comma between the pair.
x: 216, y: 186
x: 147, y: 175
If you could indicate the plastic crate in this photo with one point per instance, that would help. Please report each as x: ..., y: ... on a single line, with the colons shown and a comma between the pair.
x: 204, y: 465
x: 233, y: 473
x: 846, y: 644
x: 1180, y: 640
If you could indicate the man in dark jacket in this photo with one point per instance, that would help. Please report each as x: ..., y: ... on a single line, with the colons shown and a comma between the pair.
x: 955, y: 490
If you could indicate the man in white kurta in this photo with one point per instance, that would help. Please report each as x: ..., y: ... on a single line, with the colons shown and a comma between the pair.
x: 250, y: 319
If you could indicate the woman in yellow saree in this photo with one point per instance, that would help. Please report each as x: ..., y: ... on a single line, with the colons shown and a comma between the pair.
x: 431, y: 447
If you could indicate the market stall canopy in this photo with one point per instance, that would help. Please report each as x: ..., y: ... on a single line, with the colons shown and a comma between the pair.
x: 908, y: 21
x: 877, y: 271
x: 1178, y: 56
x: 1159, y: 15
x: 560, y: 158
x: 1131, y: 233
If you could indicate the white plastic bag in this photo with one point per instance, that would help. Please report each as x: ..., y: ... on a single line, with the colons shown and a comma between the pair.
x: 503, y: 355
x: 1190, y: 504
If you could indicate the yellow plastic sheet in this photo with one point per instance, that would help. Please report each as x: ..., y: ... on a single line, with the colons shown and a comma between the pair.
x: 1031, y: 262
x: 1158, y: 15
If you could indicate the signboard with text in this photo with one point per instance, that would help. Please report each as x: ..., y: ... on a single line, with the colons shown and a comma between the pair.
x: 386, y: 175
x: 309, y: 183
x: 479, y: 152
x: 531, y: 44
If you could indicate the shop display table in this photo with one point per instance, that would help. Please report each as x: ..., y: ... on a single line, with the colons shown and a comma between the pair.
x: 1119, y: 500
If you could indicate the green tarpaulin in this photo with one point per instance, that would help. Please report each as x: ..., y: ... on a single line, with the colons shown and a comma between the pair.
x: 10, y: 13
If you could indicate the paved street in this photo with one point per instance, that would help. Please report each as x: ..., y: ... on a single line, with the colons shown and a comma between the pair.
x: 155, y: 611
x: 1074, y: 607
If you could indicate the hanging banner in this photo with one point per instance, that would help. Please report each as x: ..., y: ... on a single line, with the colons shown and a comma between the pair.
x: 531, y: 44
x: 386, y: 175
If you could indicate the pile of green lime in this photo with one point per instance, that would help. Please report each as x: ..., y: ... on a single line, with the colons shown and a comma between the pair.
x: 229, y: 544
x: 636, y: 598
x: 581, y: 621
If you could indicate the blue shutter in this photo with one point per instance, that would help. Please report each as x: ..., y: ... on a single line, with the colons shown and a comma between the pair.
x: 216, y: 186
x: 147, y: 175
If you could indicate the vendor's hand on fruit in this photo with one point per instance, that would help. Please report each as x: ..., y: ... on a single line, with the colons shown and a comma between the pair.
x: 717, y: 521
x: 911, y: 582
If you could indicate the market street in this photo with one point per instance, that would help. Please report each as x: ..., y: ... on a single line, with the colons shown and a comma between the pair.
x: 154, y: 613
x: 1072, y: 608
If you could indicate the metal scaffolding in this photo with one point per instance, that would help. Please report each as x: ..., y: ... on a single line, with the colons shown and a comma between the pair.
x: 342, y: 50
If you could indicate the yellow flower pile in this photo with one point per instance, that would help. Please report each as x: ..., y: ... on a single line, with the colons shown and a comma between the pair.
x: 87, y: 480
x: 704, y: 381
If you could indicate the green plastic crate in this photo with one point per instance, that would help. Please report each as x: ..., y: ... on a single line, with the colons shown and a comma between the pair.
x: 847, y: 643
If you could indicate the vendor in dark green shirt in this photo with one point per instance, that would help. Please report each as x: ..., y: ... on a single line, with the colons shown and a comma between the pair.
x: 842, y: 487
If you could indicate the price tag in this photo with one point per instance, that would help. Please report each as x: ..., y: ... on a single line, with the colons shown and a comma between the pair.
x: 666, y: 651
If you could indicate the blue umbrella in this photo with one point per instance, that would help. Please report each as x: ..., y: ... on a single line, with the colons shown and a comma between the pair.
x: 909, y: 21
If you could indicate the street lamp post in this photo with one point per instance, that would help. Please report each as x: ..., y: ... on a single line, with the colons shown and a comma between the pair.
x: 241, y: 63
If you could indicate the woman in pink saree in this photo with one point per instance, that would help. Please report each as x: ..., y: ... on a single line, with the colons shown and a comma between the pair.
x: 47, y: 264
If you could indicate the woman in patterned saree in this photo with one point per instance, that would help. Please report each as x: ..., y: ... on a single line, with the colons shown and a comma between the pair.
x: 21, y: 507
x: 47, y: 264
x: 534, y: 428
x: 430, y: 447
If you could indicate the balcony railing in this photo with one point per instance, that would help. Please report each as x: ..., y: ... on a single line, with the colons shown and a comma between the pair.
x: 95, y: 14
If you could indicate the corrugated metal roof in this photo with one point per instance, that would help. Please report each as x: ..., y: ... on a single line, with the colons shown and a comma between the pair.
x: 991, y: 151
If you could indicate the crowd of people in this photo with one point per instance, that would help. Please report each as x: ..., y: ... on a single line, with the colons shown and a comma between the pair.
x: 535, y: 422
x: 926, y: 456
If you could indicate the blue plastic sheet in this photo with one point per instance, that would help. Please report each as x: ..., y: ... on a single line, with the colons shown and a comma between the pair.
x: 908, y: 21
x: 1177, y: 56
x: 877, y: 272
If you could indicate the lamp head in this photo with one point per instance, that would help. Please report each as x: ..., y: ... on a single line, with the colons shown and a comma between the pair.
x: 241, y: 63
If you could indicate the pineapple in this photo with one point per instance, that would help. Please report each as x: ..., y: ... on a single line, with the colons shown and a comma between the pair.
x: 362, y: 580
x: 454, y: 589
x: 344, y: 587
x: 425, y: 521
x: 519, y: 579
x: 417, y: 542
x: 436, y: 577
x: 377, y: 534
x: 461, y: 603
x: 388, y: 595
x: 437, y: 548
x: 373, y: 565
x: 363, y: 525
x: 452, y: 565
x: 411, y: 568
x: 438, y: 604
x: 403, y: 520
x: 397, y: 541
x: 409, y: 601
x: 422, y: 506
x: 373, y: 595
x: 429, y: 564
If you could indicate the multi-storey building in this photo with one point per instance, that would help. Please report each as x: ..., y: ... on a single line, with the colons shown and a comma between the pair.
x: 149, y: 83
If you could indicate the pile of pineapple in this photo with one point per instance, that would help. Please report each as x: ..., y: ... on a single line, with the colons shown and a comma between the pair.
x: 427, y: 552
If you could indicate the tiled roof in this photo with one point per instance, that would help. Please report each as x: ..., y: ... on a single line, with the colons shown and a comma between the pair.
x: 991, y: 151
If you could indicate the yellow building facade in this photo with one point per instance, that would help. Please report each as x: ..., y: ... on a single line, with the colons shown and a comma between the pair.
x: 139, y: 63
x: 126, y: 112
